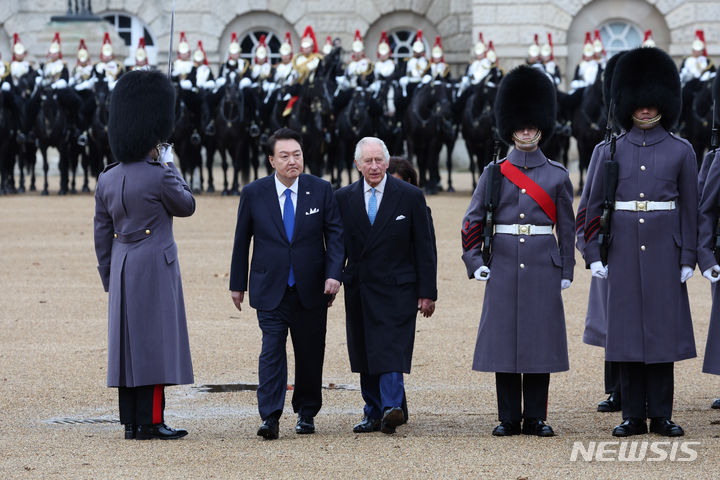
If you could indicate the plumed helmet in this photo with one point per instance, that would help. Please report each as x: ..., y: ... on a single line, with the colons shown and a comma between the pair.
x: 526, y: 97
x: 142, y: 114
x: 646, y: 77
x: 608, y: 77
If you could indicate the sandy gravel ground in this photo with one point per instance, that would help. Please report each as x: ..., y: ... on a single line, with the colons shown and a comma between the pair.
x: 56, y: 415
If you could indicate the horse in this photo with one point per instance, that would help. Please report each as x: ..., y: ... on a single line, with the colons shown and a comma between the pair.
x: 307, y: 118
x: 353, y: 123
x: 697, y: 115
x: 588, y: 122
x: 557, y: 147
x: 231, y: 137
x: 388, y: 119
x: 187, y: 140
x: 99, y: 144
x: 50, y: 130
x: 429, y: 112
x: 7, y: 146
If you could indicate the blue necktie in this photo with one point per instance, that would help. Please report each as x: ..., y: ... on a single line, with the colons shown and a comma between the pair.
x: 372, y: 206
x: 289, y: 221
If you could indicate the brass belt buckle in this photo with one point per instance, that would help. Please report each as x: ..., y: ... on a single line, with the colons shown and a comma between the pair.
x: 523, y: 229
x: 641, y: 206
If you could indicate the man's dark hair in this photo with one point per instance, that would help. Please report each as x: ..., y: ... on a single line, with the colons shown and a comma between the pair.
x: 282, y: 134
x: 404, y: 168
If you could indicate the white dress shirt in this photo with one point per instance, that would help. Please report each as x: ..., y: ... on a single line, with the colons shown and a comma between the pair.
x: 378, y: 192
x: 281, y: 195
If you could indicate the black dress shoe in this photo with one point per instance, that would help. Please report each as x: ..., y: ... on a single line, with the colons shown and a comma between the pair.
x: 666, y: 427
x: 159, y: 430
x: 612, y: 404
x: 505, y: 429
x: 305, y: 425
x: 367, y: 425
x: 716, y: 403
x: 270, y: 429
x: 631, y: 426
x: 130, y: 431
x: 392, y: 418
x: 537, y: 427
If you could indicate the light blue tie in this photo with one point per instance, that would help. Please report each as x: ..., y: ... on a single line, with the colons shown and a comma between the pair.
x: 289, y: 221
x: 372, y: 206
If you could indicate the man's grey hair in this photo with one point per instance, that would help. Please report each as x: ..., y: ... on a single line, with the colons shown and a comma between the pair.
x: 364, y: 141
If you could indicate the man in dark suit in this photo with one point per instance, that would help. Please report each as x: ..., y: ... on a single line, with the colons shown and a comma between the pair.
x: 294, y: 276
x: 389, y: 276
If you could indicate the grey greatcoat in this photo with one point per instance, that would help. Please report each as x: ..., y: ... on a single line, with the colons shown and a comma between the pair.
x: 596, y: 316
x: 522, y: 326
x: 707, y: 223
x: 138, y: 264
x: 648, y: 313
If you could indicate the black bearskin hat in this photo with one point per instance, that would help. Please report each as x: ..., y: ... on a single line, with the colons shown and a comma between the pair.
x: 646, y: 77
x: 526, y: 98
x: 716, y: 98
x: 142, y: 114
x: 608, y: 76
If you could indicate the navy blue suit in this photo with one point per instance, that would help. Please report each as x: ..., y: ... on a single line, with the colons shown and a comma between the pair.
x: 316, y: 253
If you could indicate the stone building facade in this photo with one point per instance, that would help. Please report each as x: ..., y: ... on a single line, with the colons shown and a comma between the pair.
x: 510, y: 24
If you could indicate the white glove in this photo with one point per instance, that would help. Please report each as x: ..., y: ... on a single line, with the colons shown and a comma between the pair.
x: 426, y: 79
x: 220, y: 82
x: 715, y: 269
x: 598, y: 270
x: 685, y: 273
x: 245, y: 82
x: 5, y: 87
x: 62, y: 83
x: 186, y: 84
x: 166, y: 155
x: 209, y: 85
x: 482, y: 274
x: 100, y: 67
x: 564, y: 283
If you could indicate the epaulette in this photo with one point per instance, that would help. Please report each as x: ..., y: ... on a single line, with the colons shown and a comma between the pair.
x: 557, y: 164
x: 111, y: 165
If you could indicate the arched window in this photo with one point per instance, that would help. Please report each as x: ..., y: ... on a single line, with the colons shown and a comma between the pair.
x: 401, y: 41
x: 249, y: 43
x: 131, y: 29
x: 618, y: 36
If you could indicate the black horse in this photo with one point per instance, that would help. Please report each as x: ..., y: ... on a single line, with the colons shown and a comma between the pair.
x: 557, y: 147
x: 50, y: 130
x: 388, y: 116
x: 187, y: 141
x: 697, y: 115
x: 429, y: 113
x: 231, y: 135
x: 353, y: 123
x: 588, y: 122
x: 99, y: 145
x: 308, y: 118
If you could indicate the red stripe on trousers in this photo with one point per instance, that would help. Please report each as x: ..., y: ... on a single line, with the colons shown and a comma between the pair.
x: 157, y: 404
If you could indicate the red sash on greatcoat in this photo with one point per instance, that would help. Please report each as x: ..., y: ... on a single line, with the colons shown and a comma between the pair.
x: 512, y: 173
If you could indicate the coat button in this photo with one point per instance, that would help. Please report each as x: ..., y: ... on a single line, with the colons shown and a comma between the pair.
x: 522, y: 265
x: 115, y: 235
x: 522, y: 240
x: 522, y: 215
x: 642, y: 247
x: 642, y: 167
x: 642, y: 195
x: 523, y: 229
x: 642, y: 220
x: 147, y: 232
x: 522, y: 191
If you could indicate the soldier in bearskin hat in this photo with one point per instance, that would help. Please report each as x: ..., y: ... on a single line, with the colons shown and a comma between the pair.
x: 654, y: 239
x: 528, y: 266
x: 135, y: 202
x: 708, y: 215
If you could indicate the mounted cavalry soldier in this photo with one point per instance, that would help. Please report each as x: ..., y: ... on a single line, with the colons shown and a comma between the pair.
x: 697, y: 65
x: 359, y: 71
x: 54, y: 73
x: 533, y: 56
x: 648, y: 40
x: 439, y: 70
x: 234, y: 66
x: 22, y: 74
x: 587, y: 69
x: 201, y: 75
x: 306, y: 62
x: 5, y: 77
x: 385, y: 67
x: 83, y: 80
x: 599, y: 48
x: 482, y: 70
x: 284, y: 73
x: 141, y: 57
x: 261, y: 72
x: 508, y: 242
x: 548, y: 60
x: 646, y: 194
x: 183, y: 65
x: 108, y: 68
x: 416, y: 67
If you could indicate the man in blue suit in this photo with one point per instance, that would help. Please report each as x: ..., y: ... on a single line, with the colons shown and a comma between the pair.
x: 389, y: 277
x: 294, y: 275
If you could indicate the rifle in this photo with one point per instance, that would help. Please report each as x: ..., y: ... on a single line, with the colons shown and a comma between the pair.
x: 610, y: 186
x: 492, y: 198
x: 714, y: 146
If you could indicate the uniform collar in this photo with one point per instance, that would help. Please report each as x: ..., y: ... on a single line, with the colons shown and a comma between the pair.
x: 526, y: 159
x: 647, y: 137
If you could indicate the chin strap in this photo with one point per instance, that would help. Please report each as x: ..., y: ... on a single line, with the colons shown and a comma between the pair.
x: 532, y: 141
x: 647, y: 123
